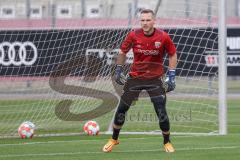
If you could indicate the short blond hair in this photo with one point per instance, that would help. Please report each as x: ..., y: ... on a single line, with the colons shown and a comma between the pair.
x: 147, y: 11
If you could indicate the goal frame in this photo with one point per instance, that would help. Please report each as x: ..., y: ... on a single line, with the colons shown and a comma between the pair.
x: 222, y: 76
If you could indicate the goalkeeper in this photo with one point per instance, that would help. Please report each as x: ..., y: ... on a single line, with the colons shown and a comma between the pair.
x: 149, y: 45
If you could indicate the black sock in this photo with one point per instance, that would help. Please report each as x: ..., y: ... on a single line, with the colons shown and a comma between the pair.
x: 166, y: 138
x: 115, y: 133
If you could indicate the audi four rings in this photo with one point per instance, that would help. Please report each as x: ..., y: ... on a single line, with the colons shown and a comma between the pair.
x: 11, y: 51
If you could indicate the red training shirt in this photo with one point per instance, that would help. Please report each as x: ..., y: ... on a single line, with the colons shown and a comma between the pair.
x: 148, y: 52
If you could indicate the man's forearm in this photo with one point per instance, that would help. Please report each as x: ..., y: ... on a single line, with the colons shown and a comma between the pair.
x: 121, y: 58
x: 172, y: 62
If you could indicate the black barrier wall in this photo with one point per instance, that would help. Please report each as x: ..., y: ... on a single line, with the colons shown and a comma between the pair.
x: 40, y: 52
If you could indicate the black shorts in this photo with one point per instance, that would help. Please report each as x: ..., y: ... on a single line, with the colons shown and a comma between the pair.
x: 133, y: 87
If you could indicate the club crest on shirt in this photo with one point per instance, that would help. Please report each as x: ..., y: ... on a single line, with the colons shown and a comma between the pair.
x: 157, y: 44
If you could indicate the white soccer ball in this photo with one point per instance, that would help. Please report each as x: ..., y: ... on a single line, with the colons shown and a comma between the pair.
x: 91, y: 128
x: 26, y: 129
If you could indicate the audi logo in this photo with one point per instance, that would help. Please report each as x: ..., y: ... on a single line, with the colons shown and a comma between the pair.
x: 17, y: 53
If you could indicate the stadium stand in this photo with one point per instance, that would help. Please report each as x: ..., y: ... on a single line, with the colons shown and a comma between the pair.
x: 32, y: 14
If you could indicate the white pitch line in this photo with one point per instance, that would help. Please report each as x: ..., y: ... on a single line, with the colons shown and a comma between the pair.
x: 90, y: 140
x: 80, y: 140
x: 70, y: 141
x: 47, y: 142
x: 129, y: 151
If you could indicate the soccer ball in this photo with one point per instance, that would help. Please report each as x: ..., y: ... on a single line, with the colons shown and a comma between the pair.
x: 26, y: 130
x: 91, y: 128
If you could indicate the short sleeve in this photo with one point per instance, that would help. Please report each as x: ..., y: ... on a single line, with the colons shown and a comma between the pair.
x: 169, y: 45
x: 127, y: 43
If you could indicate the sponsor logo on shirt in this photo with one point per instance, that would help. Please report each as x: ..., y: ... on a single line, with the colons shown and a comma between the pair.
x: 148, y: 52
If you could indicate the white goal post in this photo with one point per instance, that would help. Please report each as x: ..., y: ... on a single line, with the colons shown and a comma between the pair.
x: 222, y: 67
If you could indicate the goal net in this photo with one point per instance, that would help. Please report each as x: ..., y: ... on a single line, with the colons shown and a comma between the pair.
x: 60, y: 78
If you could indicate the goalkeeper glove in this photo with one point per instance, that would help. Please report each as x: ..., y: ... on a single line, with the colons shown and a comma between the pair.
x: 119, y: 76
x: 170, y: 81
